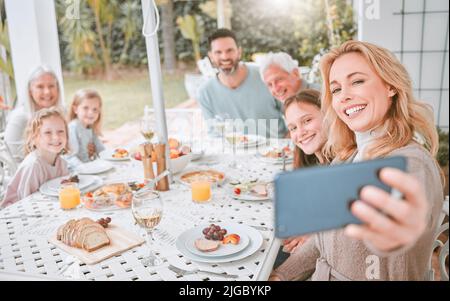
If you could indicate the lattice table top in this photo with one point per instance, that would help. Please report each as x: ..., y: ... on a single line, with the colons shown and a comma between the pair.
x: 24, y: 246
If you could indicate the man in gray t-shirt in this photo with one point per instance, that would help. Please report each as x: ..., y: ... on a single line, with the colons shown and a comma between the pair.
x: 237, y: 91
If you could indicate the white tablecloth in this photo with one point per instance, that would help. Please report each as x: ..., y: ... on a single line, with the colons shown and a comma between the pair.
x: 24, y: 247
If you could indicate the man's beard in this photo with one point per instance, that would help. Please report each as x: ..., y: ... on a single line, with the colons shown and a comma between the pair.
x: 230, y: 70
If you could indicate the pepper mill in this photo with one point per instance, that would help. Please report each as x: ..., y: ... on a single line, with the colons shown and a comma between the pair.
x: 160, y: 150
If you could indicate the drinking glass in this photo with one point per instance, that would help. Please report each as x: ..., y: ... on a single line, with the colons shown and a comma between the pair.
x: 69, y: 196
x: 147, y: 209
x: 233, y: 138
x: 201, y: 193
x: 220, y: 123
x: 147, y: 129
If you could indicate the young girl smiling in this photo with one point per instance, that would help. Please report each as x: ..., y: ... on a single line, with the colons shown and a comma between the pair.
x: 84, y: 127
x: 46, y: 139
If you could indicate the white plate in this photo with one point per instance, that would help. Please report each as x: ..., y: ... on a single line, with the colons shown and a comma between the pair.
x: 53, y: 185
x: 96, y: 183
x: 256, y: 241
x: 253, y: 141
x: 246, y: 196
x: 94, y: 167
x: 107, y: 155
x: 197, y: 155
x: 264, y: 159
x: 224, y: 249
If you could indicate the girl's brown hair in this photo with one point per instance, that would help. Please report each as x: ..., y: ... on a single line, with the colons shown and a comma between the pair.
x: 404, y: 119
x: 35, y: 124
x: 312, y: 97
x: 81, y: 95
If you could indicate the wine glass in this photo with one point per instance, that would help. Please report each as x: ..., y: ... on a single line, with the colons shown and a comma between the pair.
x: 220, y: 123
x: 147, y: 129
x: 147, y: 209
x: 233, y: 138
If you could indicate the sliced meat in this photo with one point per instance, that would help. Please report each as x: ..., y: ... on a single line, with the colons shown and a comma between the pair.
x: 206, y: 245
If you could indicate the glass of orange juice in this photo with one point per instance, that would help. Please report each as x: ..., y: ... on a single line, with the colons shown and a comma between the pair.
x: 201, y: 191
x: 69, y: 196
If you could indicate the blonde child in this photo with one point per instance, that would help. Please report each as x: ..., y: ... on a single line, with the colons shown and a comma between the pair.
x: 46, y: 139
x: 84, y: 127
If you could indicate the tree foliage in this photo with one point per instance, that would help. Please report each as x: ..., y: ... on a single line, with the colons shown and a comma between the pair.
x: 297, y: 27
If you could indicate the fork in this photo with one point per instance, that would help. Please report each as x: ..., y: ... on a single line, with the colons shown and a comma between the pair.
x: 22, y: 216
x: 69, y: 260
x: 182, y: 272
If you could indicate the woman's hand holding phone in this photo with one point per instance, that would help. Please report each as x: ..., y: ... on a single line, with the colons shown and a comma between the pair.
x: 390, y: 223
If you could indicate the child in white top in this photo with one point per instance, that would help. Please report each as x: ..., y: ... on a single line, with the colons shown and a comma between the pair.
x: 84, y: 127
x: 46, y: 139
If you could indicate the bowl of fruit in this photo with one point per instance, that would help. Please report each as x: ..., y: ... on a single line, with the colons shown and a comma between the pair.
x: 180, y: 155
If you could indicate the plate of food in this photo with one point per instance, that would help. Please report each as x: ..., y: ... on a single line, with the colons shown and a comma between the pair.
x: 187, y: 241
x: 210, y: 175
x: 216, y: 241
x: 250, y: 190
x: 111, y: 196
x: 243, y: 141
x: 117, y: 154
x: 52, y: 186
x: 274, y: 154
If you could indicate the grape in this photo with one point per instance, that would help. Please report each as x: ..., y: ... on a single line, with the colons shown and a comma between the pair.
x: 205, y: 231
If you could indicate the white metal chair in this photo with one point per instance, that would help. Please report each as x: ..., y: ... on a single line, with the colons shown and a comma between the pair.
x: 8, y: 165
x: 443, y: 246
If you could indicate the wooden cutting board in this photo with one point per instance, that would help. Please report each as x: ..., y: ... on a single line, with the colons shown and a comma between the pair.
x: 121, y: 241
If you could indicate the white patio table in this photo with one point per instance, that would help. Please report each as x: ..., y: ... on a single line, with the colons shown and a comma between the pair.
x: 25, y: 252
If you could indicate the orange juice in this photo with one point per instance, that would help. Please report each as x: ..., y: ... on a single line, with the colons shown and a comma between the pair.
x: 201, y: 191
x: 69, y: 196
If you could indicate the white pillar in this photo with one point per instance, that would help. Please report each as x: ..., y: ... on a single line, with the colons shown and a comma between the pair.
x: 223, y: 17
x: 220, y: 14
x: 33, y: 36
x: 154, y: 68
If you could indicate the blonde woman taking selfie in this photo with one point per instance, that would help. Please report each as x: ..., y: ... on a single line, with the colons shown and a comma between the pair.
x: 371, y: 112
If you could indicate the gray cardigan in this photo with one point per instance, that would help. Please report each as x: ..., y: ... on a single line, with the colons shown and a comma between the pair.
x: 331, y: 255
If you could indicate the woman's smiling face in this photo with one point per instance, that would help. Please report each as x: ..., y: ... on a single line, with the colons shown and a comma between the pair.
x: 359, y: 96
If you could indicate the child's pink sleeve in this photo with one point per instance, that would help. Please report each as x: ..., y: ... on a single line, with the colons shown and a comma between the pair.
x: 32, y: 178
x: 25, y: 182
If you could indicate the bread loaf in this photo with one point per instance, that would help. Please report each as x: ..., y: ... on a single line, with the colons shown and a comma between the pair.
x: 83, y: 233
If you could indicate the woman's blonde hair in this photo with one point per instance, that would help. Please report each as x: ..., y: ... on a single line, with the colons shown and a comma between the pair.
x: 30, y: 104
x: 81, y: 95
x: 405, y: 118
x: 35, y: 124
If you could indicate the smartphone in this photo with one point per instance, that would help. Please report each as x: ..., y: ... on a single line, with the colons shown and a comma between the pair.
x: 318, y: 198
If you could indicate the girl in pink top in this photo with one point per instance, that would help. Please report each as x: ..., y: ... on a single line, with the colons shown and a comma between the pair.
x: 47, y: 137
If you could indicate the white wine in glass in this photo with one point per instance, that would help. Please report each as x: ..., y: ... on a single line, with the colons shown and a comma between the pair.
x: 147, y: 210
x: 147, y: 129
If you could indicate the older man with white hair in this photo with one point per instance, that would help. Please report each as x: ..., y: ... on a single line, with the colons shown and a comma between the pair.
x: 281, y: 75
